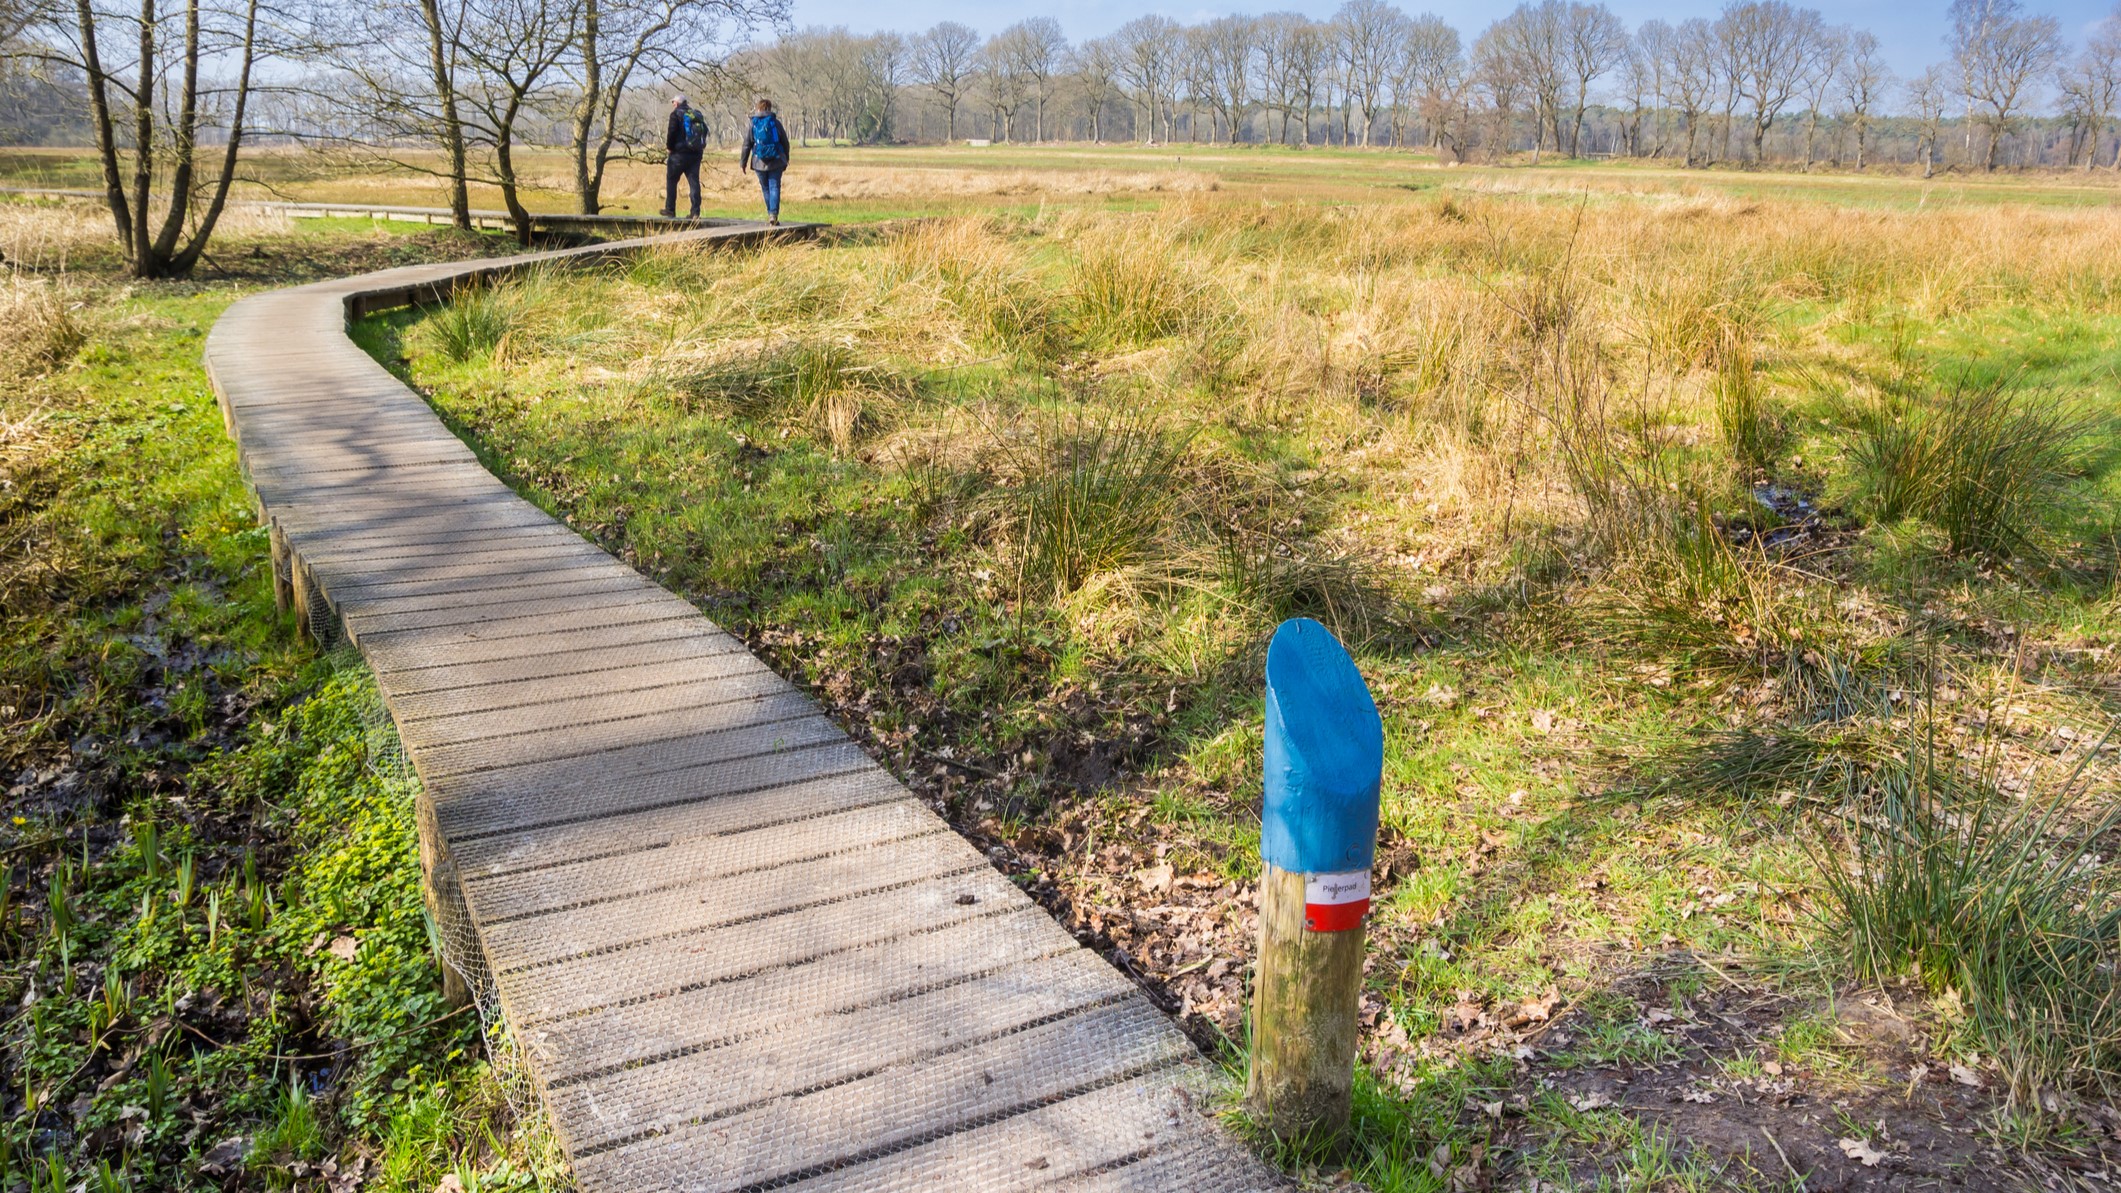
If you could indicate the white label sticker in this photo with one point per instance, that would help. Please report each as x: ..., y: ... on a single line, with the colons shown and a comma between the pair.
x: 1351, y: 887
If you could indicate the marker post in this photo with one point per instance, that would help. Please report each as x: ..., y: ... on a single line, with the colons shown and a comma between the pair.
x: 1318, y: 837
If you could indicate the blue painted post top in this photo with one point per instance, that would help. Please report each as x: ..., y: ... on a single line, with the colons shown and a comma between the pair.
x: 1325, y: 755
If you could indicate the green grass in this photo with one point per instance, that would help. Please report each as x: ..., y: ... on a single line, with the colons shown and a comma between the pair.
x: 199, y: 798
x: 1078, y: 498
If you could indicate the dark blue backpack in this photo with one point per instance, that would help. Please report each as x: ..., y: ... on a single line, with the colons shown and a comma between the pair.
x: 695, y: 131
x: 767, y: 143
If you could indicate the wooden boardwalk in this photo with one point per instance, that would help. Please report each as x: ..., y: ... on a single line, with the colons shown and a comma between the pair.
x: 737, y: 953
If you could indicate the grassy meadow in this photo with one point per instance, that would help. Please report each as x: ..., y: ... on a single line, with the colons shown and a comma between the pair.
x: 212, y: 949
x: 1735, y: 577
x: 1732, y: 557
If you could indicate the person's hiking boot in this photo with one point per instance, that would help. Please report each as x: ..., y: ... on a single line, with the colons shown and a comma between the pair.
x: 773, y: 222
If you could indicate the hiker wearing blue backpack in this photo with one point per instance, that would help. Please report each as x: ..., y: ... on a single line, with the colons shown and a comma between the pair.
x: 766, y: 154
x: 686, y: 139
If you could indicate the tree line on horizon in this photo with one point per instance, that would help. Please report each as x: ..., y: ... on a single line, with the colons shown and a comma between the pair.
x: 168, y: 92
x: 1764, y: 80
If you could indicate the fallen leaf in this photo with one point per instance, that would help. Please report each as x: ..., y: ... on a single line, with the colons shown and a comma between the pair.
x: 1155, y: 878
x: 1595, y: 1100
x: 345, y: 947
x: 1698, y: 1095
x: 226, y: 1156
x: 1861, y: 1151
x: 1966, y: 1076
x: 1916, y: 1074
x: 1772, y: 1068
x: 450, y: 1184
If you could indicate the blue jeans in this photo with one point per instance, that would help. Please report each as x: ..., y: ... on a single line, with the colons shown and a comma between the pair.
x: 770, y: 186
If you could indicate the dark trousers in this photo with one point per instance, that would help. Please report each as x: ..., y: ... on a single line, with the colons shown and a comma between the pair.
x: 687, y: 166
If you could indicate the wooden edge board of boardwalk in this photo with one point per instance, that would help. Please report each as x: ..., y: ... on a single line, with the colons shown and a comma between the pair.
x: 736, y: 953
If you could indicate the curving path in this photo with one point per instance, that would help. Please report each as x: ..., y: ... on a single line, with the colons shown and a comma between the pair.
x: 737, y: 953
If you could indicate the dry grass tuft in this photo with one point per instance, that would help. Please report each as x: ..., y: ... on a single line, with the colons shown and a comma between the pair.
x: 43, y: 332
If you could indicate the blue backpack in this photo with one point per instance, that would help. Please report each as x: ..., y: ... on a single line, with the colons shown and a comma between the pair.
x: 767, y: 143
x: 695, y: 130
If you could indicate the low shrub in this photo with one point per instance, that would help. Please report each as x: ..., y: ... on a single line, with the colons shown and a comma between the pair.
x: 474, y: 325
x: 1987, y: 462
x: 1090, y: 494
x: 1128, y: 290
x: 2008, y: 903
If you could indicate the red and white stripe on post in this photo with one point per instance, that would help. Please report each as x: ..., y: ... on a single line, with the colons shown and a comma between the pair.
x: 1336, y: 902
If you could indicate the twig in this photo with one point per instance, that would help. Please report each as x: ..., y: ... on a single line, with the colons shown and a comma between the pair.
x: 1798, y: 1176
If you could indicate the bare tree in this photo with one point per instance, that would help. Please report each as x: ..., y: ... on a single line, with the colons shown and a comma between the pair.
x: 1149, y: 65
x: 1772, y: 46
x: 1642, y: 82
x: 1277, y: 43
x: 2001, y: 54
x: 1864, y: 80
x: 150, y: 103
x: 1528, y: 49
x: 1820, y: 75
x: 1929, y: 94
x: 1039, y: 47
x: 513, y: 50
x: 621, y: 38
x: 1369, y: 33
x: 1593, y: 42
x: 2101, y: 65
x: 945, y: 60
x: 1432, y: 72
x: 1223, y: 52
x: 1096, y: 68
x: 1002, y: 77
x: 1691, y: 78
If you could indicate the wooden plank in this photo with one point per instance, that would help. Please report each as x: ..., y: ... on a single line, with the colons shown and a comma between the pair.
x: 671, y: 864
x: 592, y: 728
x: 676, y: 641
x: 668, y: 965
x: 1127, y: 1136
x: 899, y: 1106
x: 607, y: 696
x: 656, y: 811
x: 640, y: 669
x: 437, y: 657
x: 786, y: 1058
x: 557, y: 789
x: 626, y: 921
x: 714, y: 1014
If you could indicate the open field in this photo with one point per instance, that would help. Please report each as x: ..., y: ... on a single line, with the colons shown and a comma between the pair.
x: 841, y: 184
x: 1733, y: 557
x: 1682, y: 539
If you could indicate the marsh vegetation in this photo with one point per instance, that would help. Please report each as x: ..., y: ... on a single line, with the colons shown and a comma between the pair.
x: 1734, y: 576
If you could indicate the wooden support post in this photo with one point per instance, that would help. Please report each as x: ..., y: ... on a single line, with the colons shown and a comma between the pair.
x: 444, y: 897
x: 1318, y: 838
x: 283, y: 568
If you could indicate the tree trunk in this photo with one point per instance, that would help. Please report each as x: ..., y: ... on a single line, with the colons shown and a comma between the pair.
x: 586, y: 106
x: 106, y: 132
x: 452, y: 122
x: 143, y: 141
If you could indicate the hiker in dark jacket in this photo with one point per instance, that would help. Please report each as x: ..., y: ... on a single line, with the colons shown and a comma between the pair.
x: 686, y: 139
x: 765, y: 152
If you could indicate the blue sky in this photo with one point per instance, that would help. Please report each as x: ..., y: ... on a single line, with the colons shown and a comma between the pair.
x: 1911, y: 31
